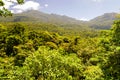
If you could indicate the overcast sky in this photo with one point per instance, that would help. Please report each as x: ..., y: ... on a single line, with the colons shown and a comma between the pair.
x: 79, y: 9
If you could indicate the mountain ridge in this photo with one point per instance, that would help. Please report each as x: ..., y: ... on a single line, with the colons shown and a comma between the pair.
x: 100, y: 22
x: 103, y: 21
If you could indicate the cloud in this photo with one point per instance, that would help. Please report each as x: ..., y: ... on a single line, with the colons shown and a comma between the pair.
x: 46, y: 5
x: 17, y: 8
x: 28, y: 5
x: 7, y: 4
x: 84, y: 19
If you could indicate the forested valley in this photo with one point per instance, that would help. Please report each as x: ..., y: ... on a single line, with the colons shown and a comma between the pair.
x: 40, y: 46
x: 45, y: 51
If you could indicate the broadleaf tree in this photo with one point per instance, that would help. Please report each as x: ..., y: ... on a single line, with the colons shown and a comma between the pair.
x: 4, y: 11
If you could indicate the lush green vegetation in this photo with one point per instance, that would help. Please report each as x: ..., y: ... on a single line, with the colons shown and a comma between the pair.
x: 51, y: 52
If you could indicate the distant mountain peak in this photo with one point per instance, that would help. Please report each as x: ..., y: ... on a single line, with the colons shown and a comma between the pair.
x: 104, y: 21
x: 101, y: 22
x: 105, y: 16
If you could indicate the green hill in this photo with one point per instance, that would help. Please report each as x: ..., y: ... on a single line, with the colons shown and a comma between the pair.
x: 103, y: 22
x: 100, y: 22
x: 37, y: 16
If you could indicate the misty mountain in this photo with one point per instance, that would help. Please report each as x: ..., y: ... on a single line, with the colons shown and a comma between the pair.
x: 37, y: 16
x: 101, y: 22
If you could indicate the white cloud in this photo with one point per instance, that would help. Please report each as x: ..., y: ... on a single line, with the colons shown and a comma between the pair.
x: 28, y: 5
x: 84, y: 19
x: 7, y: 4
x: 16, y: 8
x: 16, y: 11
x: 46, y: 5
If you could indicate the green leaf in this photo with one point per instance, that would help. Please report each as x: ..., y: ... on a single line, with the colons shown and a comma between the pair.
x: 20, y: 1
x: 1, y: 3
x: 5, y: 12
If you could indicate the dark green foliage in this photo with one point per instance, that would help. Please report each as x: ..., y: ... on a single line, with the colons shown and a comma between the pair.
x: 116, y: 32
x: 18, y: 29
x: 5, y: 12
x: 19, y: 59
x: 12, y: 41
x: 1, y: 3
x: 20, y: 1
x: 33, y: 35
x: 66, y: 40
x: 111, y: 66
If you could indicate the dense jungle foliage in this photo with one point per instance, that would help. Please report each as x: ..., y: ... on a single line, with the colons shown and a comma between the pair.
x: 48, y: 52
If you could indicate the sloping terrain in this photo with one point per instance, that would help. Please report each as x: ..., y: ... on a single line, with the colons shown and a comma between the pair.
x: 101, y: 22
x: 104, y: 21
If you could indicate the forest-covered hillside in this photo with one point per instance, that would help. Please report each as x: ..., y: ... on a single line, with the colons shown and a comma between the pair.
x: 47, y: 51
x: 104, y: 21
x: 37, y: 16
x: 101, y: 22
